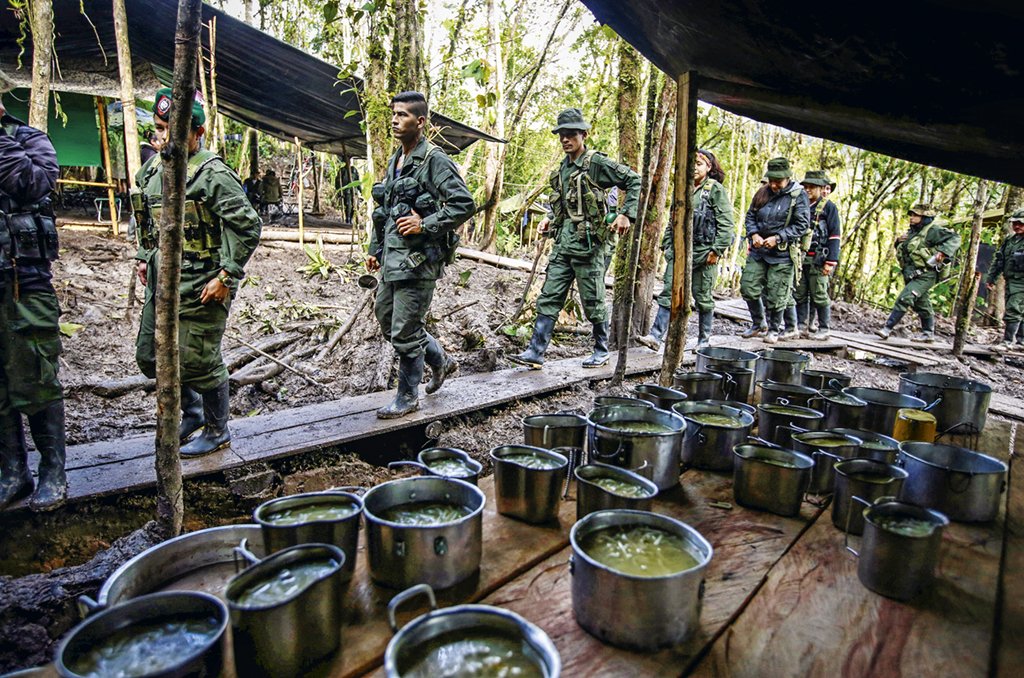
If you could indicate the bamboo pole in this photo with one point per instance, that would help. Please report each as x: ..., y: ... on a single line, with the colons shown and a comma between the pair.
x: 298, y: 154
x: 101, y: 111
x: 132, y: 157
x: 970, y: 277
x: 216, y: 121
x: 682, y: 224
x: 40, y: 15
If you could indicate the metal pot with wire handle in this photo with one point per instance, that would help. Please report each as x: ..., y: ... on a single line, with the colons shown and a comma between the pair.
x: 444, y: 462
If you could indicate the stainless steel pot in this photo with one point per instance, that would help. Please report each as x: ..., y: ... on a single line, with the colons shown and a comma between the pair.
x: 440, y: 555
x: 776, y: 421
x: 699, y: 385
x: 761, y: 483
x: 780, y: 365
x: 867, y: 479
x: 661, y: 397
x: 655, y: 456
x: 737, y: 382
x: 822, y: 379
x: 608, y: 401
x: 555, y: 430
x: 147, y: 610
x: 434, y: 454
x: 591, y: 497
x: 735, y: 404
x: 342, y: 532
x: 639, y: 613
x: 410, y: 642
x: 823, y: 476
x: 963, y: 484
x: 285, y: 638
x: 879, y: 414
x: 719, y: 355
x: 709, y: 446
x: 528, y: 494
x: 962, y: 404
x: 841, y: 409
x: 873, y: 445
x: 895, y: 565
x: 793, y: 394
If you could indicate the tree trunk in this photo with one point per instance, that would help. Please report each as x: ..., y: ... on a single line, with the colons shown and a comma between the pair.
x: 133, y: 159
x: 408, y: 69
x: 629, y: 104
x: 169, y: 503
x: 969, y: 278
x: 42, y: 59
x: 376, y: 103
x: 494, y: 169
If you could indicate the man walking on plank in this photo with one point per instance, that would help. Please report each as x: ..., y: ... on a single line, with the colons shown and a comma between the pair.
x: 221, y: 231
x: 579, y: 223
x: 1009, y: 262
x: 420, y: 203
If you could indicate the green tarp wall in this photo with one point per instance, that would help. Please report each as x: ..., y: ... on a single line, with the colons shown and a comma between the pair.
x: 78, y: 141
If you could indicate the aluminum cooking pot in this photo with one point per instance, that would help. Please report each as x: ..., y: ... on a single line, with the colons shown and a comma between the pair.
x: 867, y: 479
x: 879, y: 414
x: 555, y: 430
x: 841, y: 409
x: 776, y: 421
x: 719, y: 355
x: 607, y: 401
x: 342, y: 532
x: 411, y: 644
x: 661, y: 397
x: 770, y: 478
x: 654, y: 455
x: 529, y: 494
x: 873, y: 445
x: 735, y: 404
x: 962, y: 406
x: 823, y: 476
x: 709, y: 446
x: 699, y: 385
x: 737, y: 382
x: 440, y: 555
x: 963, y: 484
x: 591, y: 497
x: 640, y: 613
x: 780, y: 365
x: 794, y: 394
x: 820, y: 379
x: 436, y: 454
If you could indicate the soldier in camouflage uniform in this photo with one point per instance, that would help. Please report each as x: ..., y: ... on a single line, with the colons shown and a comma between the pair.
x: 29, y: 313
x: 1009, y: 263
x: 579, y: 223
x: 712, y: 235
x: 923, y: 252
x: 221, y: 231
x: 820, y: 258
x: 420, y: 204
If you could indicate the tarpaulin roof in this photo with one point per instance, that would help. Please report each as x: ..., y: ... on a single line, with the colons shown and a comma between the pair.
x: 939, y: 82
x: 261, y: 81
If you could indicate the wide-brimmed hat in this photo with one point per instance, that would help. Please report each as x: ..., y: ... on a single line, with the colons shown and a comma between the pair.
x: 571, y: 119
x: 922, y: 210
x: 815, y: 178
x: 831, y: 183
x: 778, y: 168
x: 1017, y: 216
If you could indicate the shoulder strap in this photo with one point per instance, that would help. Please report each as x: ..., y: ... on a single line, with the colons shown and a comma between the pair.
x: 197, y: 162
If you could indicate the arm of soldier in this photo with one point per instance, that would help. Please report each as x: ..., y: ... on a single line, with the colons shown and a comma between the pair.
x: 799, y: 223
x: 833, y: 230
x: 456, y: 201
x: 946, y: 241
x: 240, y: 230
x: 607, y: 173
x: 725, y: 228
x: 28, y: 165
x: 750, y: 227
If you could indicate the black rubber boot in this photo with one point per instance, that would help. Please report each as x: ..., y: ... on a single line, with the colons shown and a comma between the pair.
x: 894, y: 319
x: 791, y: 330
x: 803, y: 317
x: 824, y: 322
x: 1020, y: 335
x: 775, y: 323
x: 757, y: 323
x: 47, y: 427
x: 191, y: 413
x: 705, y: 320
x: 441, y: 364
x: 215, y: 435
x: 533, y: 356
x: 600, y: 355
x: 407, y: 399
x: 656, y: 336
x: 1010, y: 332
x: 927, y: 335
x: 15, y: 478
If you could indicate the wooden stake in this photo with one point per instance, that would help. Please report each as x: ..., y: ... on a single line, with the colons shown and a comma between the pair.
x: 298, y: 155
x: 101, y: 111
x: 132, y: 156
x: 970, y: 277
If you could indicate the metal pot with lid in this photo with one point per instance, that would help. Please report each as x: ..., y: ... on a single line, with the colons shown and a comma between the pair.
x: 780, y: 365
x: 963, y: 484
x: 712, y: 431
x: 960, y: 405
x: 647, y: 440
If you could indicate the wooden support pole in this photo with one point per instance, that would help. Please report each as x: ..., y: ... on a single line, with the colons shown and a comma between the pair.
x: 298, y: 173
x: 970, y: 277
x: 682, y: 224
x: 101, y: 111
x: 132, y: 156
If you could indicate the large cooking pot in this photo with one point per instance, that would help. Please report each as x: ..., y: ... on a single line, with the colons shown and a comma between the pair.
x: 444, y: 462
x: 719, y: 355
x: 841, y: 410
x: 640, y: 613
x: 770, y: 478
x: 607, y: 401
x: 794, y: 394
x: 283, y: 637
x: 654, y: 455
x: 554, y: 430
x: 780, y: 365
x: 430, y: 644
x: 737, y: 382
x: 342, y: 531
x: 872, y: 445
x: 867, y: 479
x: 776, y: 421
x: 529, y: 494
x: 963, y: 484
x: 735, y: 404
x: 195, y: 660
x: 879, y: 414
x: 708, y: 445
x: 825, y: 448
x: 440, y: 555
x: 821, y: 379
x: 591, y: 496
x: 660, y: 396
x: 699, y: 385
x: 962, y: 405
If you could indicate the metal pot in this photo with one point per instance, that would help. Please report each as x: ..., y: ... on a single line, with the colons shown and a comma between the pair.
x: 737, y: 382
x: 287, y: 637
x: 655, y: 456
x: 879, y: 414
x: 709, y: 446
x: 962, y: 404
x: 873, y: 445
x: 410, y: 642
x: 735, y: 404
x: 820, y: 379
x: 555, y: 430
x: 780, y: 365
x: 434, y: 454
x: 608, y: 401
x: 895, y: 565
x: 527, y: 493
x: 591, y: 497
x: 439, y: 555
x: 793, y: 394
x: 841, y: 409
x: 776, y: 421
x: 147, y: 610
x: 699, y: 385
x: 342, y: 532
x: 963, y: 484
x: 867, y: 479
x: 640, y: 613
x: 661, y: 397
x: 760, y: 484
x: 823, y: 476
x: 719, y: 355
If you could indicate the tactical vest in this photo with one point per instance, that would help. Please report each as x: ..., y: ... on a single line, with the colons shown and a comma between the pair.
x: 201, y: 229
x: 705, y: 225
x: 28, y: 233
x: 916, y: 249
x: 584, y: 201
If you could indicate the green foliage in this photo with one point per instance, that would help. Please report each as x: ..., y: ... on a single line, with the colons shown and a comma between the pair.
x: 464, y: 277
x: 318, y: 264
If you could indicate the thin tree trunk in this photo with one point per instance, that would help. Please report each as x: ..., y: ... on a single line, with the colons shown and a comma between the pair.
x: 170, y: 503
x: 970, y: 278
x: 42, y: 63
x: 133, y: 159
x: 408, y: 70
x: 375, y: 103
x: 629, y: 104
x: 494, y: 174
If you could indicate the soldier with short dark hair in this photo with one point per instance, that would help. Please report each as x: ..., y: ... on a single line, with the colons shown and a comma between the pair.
x: 1009, y: 263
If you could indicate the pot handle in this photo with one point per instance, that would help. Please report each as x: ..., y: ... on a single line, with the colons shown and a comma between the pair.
x: 846, y: 532
x: 395, y: 464
x: 929, y: 406
x: 762, y: 441
x: 242, y: 552
x: 728, y: 386
x: 406, y: 595
x: 354, y: 489
x: 835, y: 384
x: 87, y: 606
x: 814, y: 469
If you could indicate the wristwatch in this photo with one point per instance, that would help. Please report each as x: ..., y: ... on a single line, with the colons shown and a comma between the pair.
x: 226, y: 280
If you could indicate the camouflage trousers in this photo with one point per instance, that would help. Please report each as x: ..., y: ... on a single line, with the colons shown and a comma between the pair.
x: 914, y: 295
x: 775, y: 281
x: 30, y: 349
x: 587, y: 271
x: 812, y: 287
x: 702, y: 282
x: 401, y: 309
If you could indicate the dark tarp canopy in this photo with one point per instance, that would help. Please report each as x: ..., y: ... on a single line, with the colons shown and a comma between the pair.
x: 934, y: 81
x: 261, y: 81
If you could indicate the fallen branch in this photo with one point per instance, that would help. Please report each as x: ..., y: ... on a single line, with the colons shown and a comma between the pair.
x: 382, y: 375
x: 343, y: 330
x: 283, y: 364
x: 541, y: 246
x: 461, y: 308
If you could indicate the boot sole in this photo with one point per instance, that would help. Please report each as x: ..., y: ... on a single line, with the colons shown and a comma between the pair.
x: 532, y: 366
x: 193, y: 455
x: 396, y: 415
x: 46, y: 508
x: 592, y: 366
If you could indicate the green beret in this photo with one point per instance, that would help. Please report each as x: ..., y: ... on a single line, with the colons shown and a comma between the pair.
x: 162, y: 107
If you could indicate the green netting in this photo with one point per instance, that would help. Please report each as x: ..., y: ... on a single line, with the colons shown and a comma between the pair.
x: 78, y: 141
